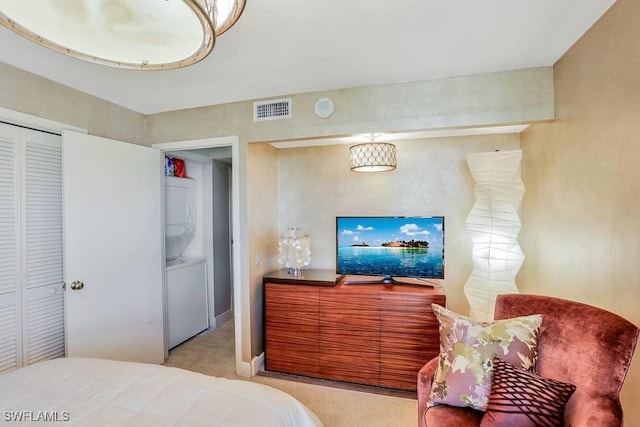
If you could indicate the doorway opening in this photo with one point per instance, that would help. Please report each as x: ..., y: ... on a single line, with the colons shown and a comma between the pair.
x: 213, y: 164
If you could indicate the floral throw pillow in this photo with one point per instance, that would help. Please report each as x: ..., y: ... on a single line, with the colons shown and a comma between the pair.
x: 467, y: 349
x: 520, y: 398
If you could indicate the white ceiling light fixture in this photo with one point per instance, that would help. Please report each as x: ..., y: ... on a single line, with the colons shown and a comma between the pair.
x: 372, y: 156
x: 134, y: 34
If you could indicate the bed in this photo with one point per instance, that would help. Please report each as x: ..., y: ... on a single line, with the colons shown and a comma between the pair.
x: 97, y: 392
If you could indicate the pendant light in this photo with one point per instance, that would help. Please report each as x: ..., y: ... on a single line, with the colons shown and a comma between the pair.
x: 372, y: 156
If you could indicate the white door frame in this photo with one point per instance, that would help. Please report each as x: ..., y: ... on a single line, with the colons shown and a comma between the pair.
x: 242, y: 368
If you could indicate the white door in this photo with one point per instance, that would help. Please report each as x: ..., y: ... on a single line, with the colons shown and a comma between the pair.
x: 113, y: 246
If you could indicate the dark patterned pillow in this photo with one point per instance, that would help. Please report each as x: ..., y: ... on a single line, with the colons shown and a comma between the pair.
x: 522, y: 399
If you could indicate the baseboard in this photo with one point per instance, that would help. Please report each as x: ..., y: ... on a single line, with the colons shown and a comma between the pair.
x: 250, y: 369
x: 243, y: 369
x: 257, y: 364
x: 224, y: 317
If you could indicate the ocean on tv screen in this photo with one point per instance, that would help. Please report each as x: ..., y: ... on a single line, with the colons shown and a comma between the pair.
x: 394, y: 246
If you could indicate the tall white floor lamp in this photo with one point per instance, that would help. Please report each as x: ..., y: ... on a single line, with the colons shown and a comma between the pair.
x: 494, y: 224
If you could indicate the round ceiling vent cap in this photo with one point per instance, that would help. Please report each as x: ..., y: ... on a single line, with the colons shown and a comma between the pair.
x: 324, y: 108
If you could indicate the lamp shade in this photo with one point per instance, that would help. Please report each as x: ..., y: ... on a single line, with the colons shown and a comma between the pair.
x: 294, y: 250
x: 372, y: 157
x: 136, y: 34
x: 493, y: 225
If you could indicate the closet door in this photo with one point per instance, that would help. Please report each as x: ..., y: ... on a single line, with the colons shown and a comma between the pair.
x: 43, y: 298
x: 113, y: 220
x: 10, y: 293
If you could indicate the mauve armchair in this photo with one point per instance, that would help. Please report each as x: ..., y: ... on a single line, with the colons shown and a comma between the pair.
x: 579, y: 344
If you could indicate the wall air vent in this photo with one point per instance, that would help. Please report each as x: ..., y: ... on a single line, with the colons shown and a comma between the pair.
x: 273, y: 109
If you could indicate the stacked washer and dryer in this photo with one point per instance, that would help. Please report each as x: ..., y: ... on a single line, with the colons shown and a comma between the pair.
x: 186, y: 276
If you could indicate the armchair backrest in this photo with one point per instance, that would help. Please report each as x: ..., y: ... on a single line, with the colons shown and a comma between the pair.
x: 580, y: 344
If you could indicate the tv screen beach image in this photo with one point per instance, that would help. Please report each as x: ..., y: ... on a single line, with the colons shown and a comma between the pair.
x: 393, y: 246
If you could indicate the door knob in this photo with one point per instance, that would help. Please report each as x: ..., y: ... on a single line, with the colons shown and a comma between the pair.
x: 76, y: 285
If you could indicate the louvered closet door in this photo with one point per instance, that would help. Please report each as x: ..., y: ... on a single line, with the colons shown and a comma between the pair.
x: 10, y: 299
x: 43, y: 299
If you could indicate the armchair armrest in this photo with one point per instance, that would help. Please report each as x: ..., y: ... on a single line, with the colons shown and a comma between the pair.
x: 425, y: 378
x: 593, y: 411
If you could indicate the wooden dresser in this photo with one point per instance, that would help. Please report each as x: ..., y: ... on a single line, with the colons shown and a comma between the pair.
x: 374, y: 334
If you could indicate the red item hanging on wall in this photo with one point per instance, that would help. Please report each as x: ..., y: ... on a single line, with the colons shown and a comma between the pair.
x: 180, y: 170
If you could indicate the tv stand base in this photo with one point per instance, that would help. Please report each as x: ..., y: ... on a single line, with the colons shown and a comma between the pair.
x: 386, y: 280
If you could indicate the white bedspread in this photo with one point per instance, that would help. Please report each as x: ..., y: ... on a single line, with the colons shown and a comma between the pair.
x: 95, y: 392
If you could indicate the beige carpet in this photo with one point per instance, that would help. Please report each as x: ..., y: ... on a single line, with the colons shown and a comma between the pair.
x: 212, y: 353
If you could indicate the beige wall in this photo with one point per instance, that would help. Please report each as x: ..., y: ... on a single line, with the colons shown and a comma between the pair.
x: 520, y: 96
x: 30, y: 94
x: 581, y: 211
x: 263, y: 230
x: 432, y: 178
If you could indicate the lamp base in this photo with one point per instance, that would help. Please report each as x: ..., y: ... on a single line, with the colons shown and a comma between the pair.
x: 294, y: 271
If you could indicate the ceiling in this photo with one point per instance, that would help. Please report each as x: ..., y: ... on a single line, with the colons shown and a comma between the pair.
x: 281, y: 47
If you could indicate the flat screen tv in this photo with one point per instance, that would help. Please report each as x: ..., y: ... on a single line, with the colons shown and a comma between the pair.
x: 392, y: 247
